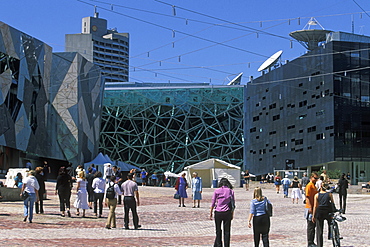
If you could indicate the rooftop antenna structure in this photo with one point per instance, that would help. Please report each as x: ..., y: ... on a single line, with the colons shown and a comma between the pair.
x: 96, y: 13
x: 308, y: 37
x: 236, y: 81
x: 271, y: 61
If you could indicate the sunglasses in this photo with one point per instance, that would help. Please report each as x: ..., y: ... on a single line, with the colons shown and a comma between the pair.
x: 315, y: 178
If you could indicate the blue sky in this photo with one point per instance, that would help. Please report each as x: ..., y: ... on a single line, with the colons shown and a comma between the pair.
x: 195, y: 41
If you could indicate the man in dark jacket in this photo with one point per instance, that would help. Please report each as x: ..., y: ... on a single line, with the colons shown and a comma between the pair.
x: 343, y: 186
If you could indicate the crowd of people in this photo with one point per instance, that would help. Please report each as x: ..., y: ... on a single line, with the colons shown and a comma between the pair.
x: 93, y: 190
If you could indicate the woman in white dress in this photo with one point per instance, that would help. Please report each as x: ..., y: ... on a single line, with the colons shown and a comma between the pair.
x: 81, y: 199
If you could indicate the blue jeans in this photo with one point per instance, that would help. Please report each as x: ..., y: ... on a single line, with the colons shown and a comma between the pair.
x: 286, y: 189
x: 28, y: 205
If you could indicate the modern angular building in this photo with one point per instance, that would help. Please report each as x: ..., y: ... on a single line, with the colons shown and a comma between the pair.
x: 313, y: 111
x: 165, y: 127
x: 50, y: 104
x: 104, y: 47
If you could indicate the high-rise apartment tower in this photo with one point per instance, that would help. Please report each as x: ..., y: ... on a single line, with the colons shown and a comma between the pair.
x: 104, y: 47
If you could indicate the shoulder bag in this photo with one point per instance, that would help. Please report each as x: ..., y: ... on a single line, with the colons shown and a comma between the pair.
x: 268, y: 208
x: 25, y: 195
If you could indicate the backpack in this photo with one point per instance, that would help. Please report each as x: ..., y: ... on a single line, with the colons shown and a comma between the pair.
x: 268, y: 208
x: 110, y: 193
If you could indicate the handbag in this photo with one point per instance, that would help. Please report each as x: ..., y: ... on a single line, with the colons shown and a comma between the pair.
x: 232, y: 203
x: 176, y: 196
x: 268, y: 208
x: 24, y: 195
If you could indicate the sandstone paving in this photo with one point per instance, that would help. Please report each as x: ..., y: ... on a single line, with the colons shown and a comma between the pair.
x: 166, y: 224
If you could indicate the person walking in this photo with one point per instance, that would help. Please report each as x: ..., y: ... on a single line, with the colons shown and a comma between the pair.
x: 247, y: 177
x: 63, y: 190
x: 304, y: 181
x: 90, y: 191
x: 46, y: 170
x: 196, y: 187
x: 144, y: 177
x: 261, y: 220
x: 296, y: 189
x: 40, y: 179
x: 81, y: 200
x: 277, y: 183
x: 311, y: 191
x: 130, y: 191
x: 98, y: 185
x: 119, y: 180
x: 111, y: 203
x: 324, y: 205
x: 181, y: 186
x: 222, y: 200
x: 31, y: 186
x: 286, y: 183
x: 154, y: 179
x: 343, y: 186
x: 108, y: 172
x: 319, y: 182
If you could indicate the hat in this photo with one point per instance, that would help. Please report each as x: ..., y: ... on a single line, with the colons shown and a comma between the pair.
x: 286, y: 176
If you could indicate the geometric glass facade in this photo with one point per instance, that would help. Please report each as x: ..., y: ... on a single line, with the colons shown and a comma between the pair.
x: 171, y: 127
x: 50, y: 104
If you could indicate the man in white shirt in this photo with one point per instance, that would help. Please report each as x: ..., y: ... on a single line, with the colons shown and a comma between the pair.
x: 286, y: 183
x: 130, y: 191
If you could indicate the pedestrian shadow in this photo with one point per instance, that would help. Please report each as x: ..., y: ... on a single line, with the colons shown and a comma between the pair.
x: 49, y: 224
x: 146, y: 229
x: 4, y: 214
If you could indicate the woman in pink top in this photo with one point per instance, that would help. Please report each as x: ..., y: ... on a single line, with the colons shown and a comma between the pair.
x: 222, y: 201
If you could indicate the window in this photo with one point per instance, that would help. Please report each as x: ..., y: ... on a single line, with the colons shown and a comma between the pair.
x: 252, y: 130
x: 302, y: 116
x: 329, y: 127
x: 283, y: 144
x: 272, y: 106
x: 311, y: 129
x: 320, y: 136
x: 300, y: 131
x: 256, y: 118
x: 303, y: 103
x: 291, y: 127
x: 299, y: 142
x: 300, y: 84
x: 276, y: 117
x: 272, y: 132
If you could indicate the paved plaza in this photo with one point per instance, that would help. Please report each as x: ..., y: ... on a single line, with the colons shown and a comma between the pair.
x: 166, y: 224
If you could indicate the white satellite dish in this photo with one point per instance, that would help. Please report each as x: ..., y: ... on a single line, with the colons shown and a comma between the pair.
x: 236, y: 80
x: 270, y: 61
